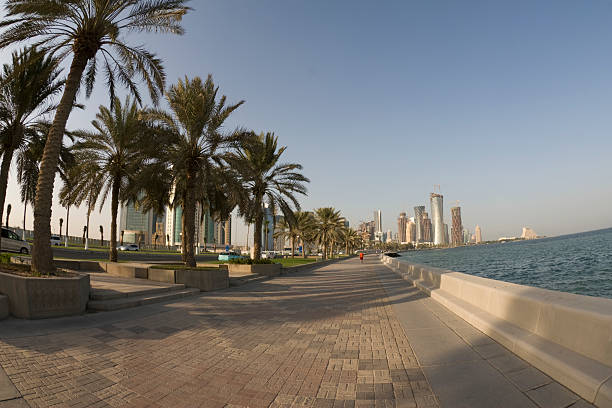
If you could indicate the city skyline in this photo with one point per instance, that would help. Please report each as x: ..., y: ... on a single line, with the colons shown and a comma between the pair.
x: 532, y: 146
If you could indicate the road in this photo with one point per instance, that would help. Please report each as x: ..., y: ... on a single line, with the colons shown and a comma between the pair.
x: 72, y: 253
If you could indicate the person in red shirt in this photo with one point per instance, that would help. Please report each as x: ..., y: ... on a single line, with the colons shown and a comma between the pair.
x: 361, y: 257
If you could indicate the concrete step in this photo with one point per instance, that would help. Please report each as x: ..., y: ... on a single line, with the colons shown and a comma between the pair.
x: 139, y: 300
x: 107, y: 294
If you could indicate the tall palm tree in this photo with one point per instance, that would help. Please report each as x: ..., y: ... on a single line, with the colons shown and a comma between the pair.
x: 109, y: 156
x: 286, y: 230
x: 26, y: 87
x: 350, y: 238
x: 266, y: 181
x: 28, y: 160
x: 87, y: 187
x: 329, y: 223
x: 193, y: 152
x: 299, y: 229
x: 92, y: 33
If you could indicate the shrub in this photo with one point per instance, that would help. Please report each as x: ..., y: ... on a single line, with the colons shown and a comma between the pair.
x: 5, y: 258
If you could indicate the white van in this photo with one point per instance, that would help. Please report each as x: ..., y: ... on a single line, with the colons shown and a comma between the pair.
x: 12, y: 243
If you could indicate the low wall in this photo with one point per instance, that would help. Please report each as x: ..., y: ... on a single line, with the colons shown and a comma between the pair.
x: 38, y: 298
x: 126, y: 270
x: 204, y: 279
x: 260, y: 269
x: 312, y: 265
x: 567, y: 336
x: 73, y: 265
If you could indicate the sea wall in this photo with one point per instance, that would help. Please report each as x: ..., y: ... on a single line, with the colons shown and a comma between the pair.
x: 567, y: 336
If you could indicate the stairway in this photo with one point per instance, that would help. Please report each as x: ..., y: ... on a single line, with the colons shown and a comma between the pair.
x: 113, y: 293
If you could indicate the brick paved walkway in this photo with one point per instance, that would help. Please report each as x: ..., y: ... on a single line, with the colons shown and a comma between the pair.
x: 326, y: 338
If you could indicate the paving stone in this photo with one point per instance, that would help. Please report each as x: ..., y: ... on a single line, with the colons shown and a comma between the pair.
x: 529, y: 378
x: 553, y: 395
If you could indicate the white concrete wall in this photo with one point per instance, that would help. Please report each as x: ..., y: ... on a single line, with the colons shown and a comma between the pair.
x: 567, y: 336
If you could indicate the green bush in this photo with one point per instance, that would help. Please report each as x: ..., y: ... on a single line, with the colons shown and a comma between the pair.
x: 5, y: 258
x: 249, y: 261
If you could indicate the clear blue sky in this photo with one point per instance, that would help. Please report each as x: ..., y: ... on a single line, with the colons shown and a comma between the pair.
x: 506, y: 105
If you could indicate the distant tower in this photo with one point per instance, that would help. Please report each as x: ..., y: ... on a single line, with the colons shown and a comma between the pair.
x: 401, y: 227
x: 446, y: 240
x: 457, y: 228
x: 377, y: 221
x: 478, y: 234
x: 411, y: 231
x: 437, y: 217
x: 426, y: 228
x: 418, y: 221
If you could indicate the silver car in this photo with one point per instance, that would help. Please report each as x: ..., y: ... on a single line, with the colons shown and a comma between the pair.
x: 11, y: 242
x: 128, y: 247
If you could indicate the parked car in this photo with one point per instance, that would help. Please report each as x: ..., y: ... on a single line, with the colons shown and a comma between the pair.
x: 56, y: 240
x: 128, y: 247
x: 11, y: 242
x: 268, y: 254
x: 229, y: 255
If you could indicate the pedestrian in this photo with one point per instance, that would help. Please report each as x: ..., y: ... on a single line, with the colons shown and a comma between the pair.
x: 361, y: 257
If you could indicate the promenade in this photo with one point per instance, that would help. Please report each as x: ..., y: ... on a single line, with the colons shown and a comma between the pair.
x: 344, y: 335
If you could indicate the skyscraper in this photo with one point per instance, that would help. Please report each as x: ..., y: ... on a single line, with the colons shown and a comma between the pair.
x: 437, y: 218
x: 378, y: 221
x: 401, y: 227
x: 457, y: 227
x: 426, y: 228
x: 411, y: 231
x: 418, y: 221
x: 223, y: 232
x: 138, y: 227
x: 478, y: 234
x: 446, y: 240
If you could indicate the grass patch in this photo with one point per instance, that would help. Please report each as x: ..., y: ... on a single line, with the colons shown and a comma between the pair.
x: 289, y: 262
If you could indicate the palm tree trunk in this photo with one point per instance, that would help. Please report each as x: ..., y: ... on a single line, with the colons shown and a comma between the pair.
x: 42, y: 255
x: 7, y: 158
x: 25, y: 207
x: 189, y: 220
x: 304, y: 254
x: 113, y: 232
x: 257, y: 234
x: 67, y: 217
x: 292, y: 247
x: 87, y: 232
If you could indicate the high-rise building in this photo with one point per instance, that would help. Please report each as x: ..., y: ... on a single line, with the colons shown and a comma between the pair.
x: 426, y: 228
x: 437, y: 218
x: 478, y: 234
x: 138, y: 227
x: 389, y: 237
x: 267, y: 242
x: 223, y: 232
x: 466, y: 236
x: 401, y: 227
x: 457, y: 227
x: 446, y: 236
x: 528, y: 233
x: 377, y: 221
x: 411, y: 231
x: 418, y: 220
x: 204, y: 227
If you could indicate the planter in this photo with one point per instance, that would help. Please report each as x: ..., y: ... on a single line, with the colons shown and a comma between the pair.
x: 260, y: 269
x: 203, y: 279
x: 39, y: 298
x: 127, y: 270
x: 73, y: 265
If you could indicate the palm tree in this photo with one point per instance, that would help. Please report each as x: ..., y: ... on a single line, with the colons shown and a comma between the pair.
x: 101, y: 236
x: 87, y: 187
x: 349, y: 238
x: 28, y: 161
x: 306, y: 226
x: 300, y: 228
x: 61, y: 222
x: 109, y: 156
x: 286, y: 230
x: 329, y: 222
x: 86, y: 30
x: 26, y: 86
x: 266, y: 181
x: 8, y: 214
x: 193, y: 153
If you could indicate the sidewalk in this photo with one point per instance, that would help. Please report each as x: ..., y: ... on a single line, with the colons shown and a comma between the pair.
x: 464, y: 367
x: 342, y: 335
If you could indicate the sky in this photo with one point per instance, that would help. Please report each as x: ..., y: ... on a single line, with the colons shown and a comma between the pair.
x: 505, y: 105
